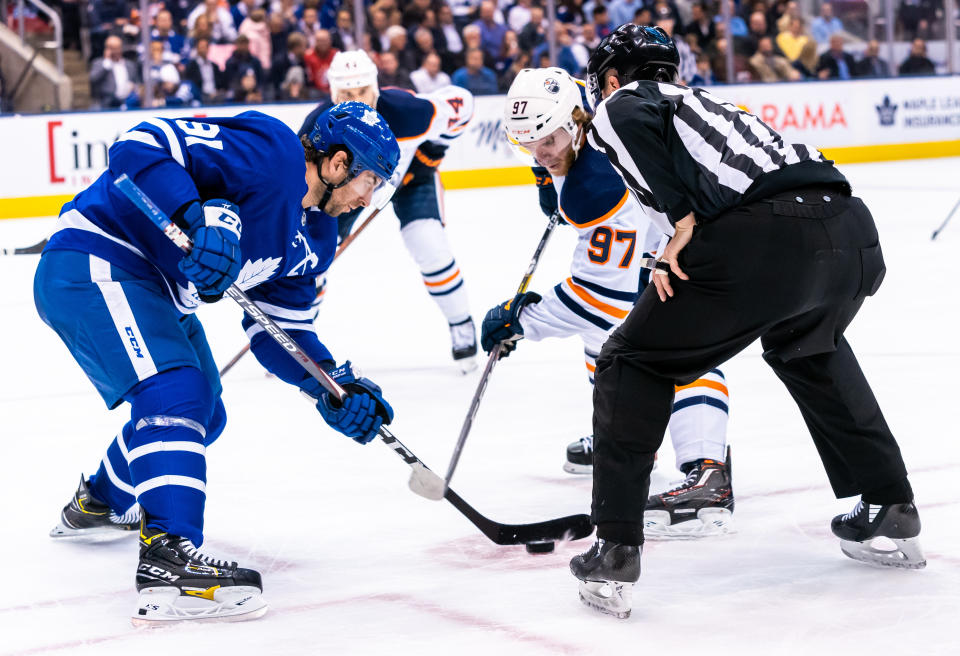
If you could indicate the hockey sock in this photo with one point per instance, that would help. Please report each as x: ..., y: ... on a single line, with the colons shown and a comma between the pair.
x: 621, y: 532
x: 111, y: 484
x: 698, y: 425
x: 427, y: 243
x: 899, y: 492
x: 166, y: 451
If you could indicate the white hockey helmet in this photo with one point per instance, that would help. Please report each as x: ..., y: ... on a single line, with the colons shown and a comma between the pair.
x: 352, y: 69
x: 539, y: 102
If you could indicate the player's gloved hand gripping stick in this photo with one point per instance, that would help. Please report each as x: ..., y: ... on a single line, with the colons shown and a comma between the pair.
x: 422, y: 480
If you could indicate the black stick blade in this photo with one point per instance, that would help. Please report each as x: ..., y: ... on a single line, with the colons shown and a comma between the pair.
x: 572, y: 527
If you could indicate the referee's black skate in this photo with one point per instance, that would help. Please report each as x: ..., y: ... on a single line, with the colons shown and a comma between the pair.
x: 176, y: 582
x: 86, y: 518
x: 701, y: 506
x: 607, y: 572
x: 893, y: 524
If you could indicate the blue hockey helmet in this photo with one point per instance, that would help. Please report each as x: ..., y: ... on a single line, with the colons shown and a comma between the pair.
x: 363, y: 132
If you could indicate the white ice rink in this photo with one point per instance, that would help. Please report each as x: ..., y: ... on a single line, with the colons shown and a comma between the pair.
x: 354, y: 563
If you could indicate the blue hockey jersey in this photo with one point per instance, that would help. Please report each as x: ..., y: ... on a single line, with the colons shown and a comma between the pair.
x: 250, y: 159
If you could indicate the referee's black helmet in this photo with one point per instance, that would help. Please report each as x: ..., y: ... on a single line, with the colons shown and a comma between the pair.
x: 636, y: 52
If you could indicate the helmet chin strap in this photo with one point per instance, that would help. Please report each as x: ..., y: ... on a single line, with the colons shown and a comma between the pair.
x: 330, y: 187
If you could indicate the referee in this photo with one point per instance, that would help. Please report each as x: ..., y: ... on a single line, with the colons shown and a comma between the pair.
x: 767, y: 243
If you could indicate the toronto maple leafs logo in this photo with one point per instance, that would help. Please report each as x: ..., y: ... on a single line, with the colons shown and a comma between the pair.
x: 310, y: 259
x: 887, y: 112
x: 370, y: 117
x: 257, y: 271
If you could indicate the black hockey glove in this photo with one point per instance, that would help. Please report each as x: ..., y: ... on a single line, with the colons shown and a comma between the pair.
x: 502, y: 324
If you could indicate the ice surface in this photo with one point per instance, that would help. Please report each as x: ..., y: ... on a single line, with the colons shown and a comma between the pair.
x: 353, y: 563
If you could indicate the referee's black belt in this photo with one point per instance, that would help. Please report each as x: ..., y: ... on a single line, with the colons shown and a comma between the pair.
x: 813, y: 202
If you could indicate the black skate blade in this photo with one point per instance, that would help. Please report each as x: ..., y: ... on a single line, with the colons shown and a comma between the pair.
x: 572, y: 527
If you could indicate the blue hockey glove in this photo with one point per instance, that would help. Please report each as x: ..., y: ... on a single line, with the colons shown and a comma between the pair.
x: 363, y: 410
x: 214, y: 263
x: 502, y: 324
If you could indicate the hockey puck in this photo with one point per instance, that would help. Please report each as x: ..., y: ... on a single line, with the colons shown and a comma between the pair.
x: 540, y: 547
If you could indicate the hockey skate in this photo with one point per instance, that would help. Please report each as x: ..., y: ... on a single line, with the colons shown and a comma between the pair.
x: 896, y: 524
x: 701, y: 506
x: 463, y: 336
x: 86, y: 518
x: 607, y: 572
x: 580, y: 457
x: 176, y: 582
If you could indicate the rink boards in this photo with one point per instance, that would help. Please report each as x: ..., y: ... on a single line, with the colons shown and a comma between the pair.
x: 48, y: 158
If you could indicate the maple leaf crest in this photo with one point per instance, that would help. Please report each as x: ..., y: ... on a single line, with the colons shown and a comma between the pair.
x: 257, y: 271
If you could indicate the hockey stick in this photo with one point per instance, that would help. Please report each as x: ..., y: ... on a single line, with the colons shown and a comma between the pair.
x: 342, y: 247
x: 945, y: 221
x: 422, y: 480
x: 25, y: 250
x: 495, y: 355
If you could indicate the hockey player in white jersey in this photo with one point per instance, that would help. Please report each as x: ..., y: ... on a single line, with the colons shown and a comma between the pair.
x: 424, y: 125
x: 606, y: 279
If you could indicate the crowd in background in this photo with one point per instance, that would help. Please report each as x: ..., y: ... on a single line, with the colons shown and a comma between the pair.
x: 280, y: 50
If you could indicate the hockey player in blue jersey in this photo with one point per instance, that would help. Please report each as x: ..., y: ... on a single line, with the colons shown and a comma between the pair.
x: 122, y: 298
x: 541, y: 114
x: 424, y: 124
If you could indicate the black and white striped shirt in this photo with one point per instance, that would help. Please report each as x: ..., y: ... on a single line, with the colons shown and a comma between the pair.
x: 682, y: 149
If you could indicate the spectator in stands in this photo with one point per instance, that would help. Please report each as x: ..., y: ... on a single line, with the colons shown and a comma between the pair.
x: 533, y: 33
x: 916, y: 16
x: 205, y: 76
x: 447, y: 37
x: 163, y: 31
x: 519, y: 15
x: 474, y: 76
x: 588, y: 38
x: 871, y: 65
x: 571, y: 12
x: 491, y: 32
x: 241, y: 10
x: 278, y: 35
x: 406, y: 59
x: 643, y: 16
x: 156, y: 58
x: 292, y: 57
x: 414, y: 13
x: 792, y: 41
x: 287, y: 9
x: 464, y: 11
x: 255, y: 28
x: 826, y: 24
x: 917, y: 63
x: 601, y: 21
x: 201, y: 30
x: 343, y: 38
x: 623, y: 11
x: 519, y: 63
x: 757, y: 29
x: 247, y: 90
x: 309, y: 24
x: 379, y: 22
x: 113, y: 79
x: 317, y: 61
x: 390, y: 74
x: 104, y: 17
x: 700, y: 25
x: 835, y: 63
x: 791, y: 10
x: 688, y: 63
x: 767, y: 66
x: 221, y: 22
x: 738, y: 27
x: 704, y: 76
x: 172, y: 92
x: 429, y: 77
x: 422, y: 45
x: 240, y: 62
x: 294, y: 85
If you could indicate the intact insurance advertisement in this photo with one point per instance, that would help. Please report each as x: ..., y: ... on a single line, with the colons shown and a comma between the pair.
x: 58, y: 155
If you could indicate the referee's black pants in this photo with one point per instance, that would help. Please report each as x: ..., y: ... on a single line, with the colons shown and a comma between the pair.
x: 791, y: 273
